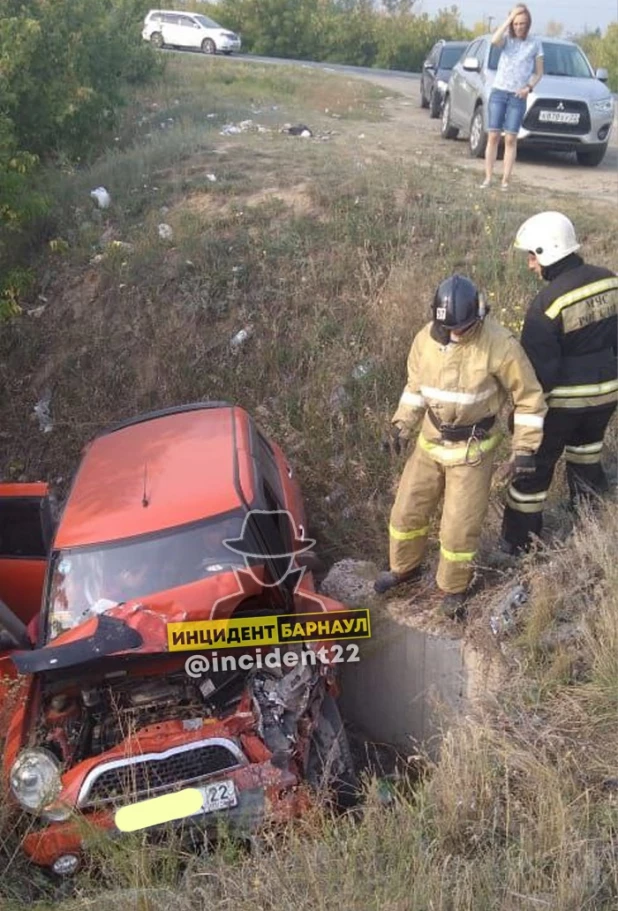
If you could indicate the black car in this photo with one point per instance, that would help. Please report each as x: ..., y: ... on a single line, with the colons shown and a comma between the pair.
x: 436, y: 73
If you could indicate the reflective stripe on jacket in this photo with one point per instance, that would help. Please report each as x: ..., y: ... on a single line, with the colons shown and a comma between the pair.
x: 468, y: 381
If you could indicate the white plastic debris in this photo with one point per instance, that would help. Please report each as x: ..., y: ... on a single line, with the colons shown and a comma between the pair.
x: 165, y: 232
x: 230, y: 129
x: 212, y: 178
x: 241, y: 337
x: 41, y: 409
x: 37, y: 311
x: 362, y: 370
x: 505, y: 615
x: 102, y: 197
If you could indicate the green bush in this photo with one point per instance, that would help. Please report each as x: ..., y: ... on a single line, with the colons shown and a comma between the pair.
x: 63, y: 68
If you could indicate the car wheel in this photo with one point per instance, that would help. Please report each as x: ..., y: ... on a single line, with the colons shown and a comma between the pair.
x: 208, y: 46
x: 478, y: 136
x: 424, y: 102
x: 329, y: 768
x: 590, y: 158
x: 434, y: 104
x: 447, y: 130
x: 156, y: 39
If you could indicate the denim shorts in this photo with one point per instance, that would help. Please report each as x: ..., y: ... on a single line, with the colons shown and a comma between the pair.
x: 506, y: 111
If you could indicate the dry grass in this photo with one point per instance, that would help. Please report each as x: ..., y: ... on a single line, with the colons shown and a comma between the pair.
x: 332, y: 260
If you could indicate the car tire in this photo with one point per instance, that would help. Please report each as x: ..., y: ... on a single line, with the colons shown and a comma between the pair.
x: 156, y: 39
x: 590, y: 158
x: 434, y: 105
x: 478, y: 136
x: 424, y: 102
x: 447, y: 130
x: 329, y: 768
x: 209, y: 46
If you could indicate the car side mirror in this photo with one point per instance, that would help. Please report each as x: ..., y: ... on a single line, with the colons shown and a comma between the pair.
x: 602, y: 74
x: 472, y: 64
x: 429, y: 66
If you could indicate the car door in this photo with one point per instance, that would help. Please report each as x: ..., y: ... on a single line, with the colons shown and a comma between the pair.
x: 189, y: 32
x: 429, y: 70
x: 26, y: 531
x: 170, y: 29
x: 471, y: 86
x: 458, y: 87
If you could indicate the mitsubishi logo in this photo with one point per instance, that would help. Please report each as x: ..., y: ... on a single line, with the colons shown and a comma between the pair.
x: 560, y: 106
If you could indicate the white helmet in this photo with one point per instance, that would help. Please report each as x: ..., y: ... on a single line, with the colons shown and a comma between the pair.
x: 549, y: 235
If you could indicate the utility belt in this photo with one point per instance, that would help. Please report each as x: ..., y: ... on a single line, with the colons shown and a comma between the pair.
x: 460, y: 433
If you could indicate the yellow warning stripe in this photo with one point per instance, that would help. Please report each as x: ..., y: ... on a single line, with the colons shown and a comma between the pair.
x: 573, y: 297
x: 407, y: 535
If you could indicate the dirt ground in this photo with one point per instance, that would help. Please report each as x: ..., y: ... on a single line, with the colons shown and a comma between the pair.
x: 412, y: 132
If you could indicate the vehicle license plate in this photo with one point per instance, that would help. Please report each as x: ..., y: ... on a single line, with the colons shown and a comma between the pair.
x: 219, y: 795
x: 559, y: 117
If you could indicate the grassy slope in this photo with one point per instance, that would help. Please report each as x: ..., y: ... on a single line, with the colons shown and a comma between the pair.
x: 330, y: 252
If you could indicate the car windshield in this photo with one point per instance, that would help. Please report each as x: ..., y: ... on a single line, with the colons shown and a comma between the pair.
x: 450, y: 56
x: 558, y: 60
x: 205, y: 21
x: 86, y: 581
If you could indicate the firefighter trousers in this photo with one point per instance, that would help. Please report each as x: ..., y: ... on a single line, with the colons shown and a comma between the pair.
x: 580, y: 436
x: 466, y: 491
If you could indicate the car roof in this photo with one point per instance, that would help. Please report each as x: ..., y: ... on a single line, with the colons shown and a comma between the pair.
x: 159, y: 471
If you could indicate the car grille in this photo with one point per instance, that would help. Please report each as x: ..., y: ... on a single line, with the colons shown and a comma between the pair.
x: 149, y: 775
x: 532, y: 122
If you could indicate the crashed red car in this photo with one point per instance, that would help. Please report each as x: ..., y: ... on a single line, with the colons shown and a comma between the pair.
x: 155, y: 531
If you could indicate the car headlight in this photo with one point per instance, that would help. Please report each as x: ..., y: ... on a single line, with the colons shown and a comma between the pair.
x: 35, y: 779
x: 604, y: 107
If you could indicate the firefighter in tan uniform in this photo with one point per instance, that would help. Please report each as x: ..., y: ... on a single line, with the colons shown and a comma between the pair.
x: 461, y: 369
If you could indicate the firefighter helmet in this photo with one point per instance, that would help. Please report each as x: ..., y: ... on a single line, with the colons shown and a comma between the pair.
x: 457, y: 304
x: 549, y: 235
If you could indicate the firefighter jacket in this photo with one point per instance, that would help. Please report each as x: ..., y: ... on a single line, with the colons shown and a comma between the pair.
x: 570, y: 335
x: 464, y: 383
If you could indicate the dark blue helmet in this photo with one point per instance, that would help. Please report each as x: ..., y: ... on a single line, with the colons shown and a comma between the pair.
x: 457, y: 304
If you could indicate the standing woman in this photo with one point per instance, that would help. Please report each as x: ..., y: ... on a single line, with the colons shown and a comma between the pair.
x: 519, y: 69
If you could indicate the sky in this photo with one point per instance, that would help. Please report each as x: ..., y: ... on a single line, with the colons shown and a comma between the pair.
x: 575, y: 15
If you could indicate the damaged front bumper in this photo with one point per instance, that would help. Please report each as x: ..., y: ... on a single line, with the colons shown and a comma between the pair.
x: 264, y: 794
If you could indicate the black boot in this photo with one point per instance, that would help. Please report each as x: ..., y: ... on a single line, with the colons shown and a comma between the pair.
x: 453, y: 606
x: 388, y: 580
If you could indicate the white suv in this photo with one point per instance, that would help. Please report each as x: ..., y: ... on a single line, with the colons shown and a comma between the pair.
x: 164, y: 27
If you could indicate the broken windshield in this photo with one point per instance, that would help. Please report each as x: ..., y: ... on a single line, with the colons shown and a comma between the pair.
x: 86, y: 581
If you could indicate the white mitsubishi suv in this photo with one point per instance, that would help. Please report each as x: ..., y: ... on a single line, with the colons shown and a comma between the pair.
x: 170, y: 28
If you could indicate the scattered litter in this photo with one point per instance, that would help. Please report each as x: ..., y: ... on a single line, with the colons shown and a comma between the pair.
x: 362, y: 370
x: 210, y: 116
x: 98, y: 258
x: 298, y: 129
x: 241, y: 337
x: 102, y: 197
x: 505, y: 615
x: 120, y: 245
x: 37, y: 311
x: 236, y: 269
x: 165, y: 232
x: 41, y: 409
x: 164, y: 210
x: 230, y: 129
x: 361, y: 135
x: 212, y: 178
x: 339, y: 399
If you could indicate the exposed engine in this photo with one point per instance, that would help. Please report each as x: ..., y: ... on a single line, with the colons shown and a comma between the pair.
x: 83, y: 721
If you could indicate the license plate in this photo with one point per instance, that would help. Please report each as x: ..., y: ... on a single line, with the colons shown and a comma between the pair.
x: 559, y: 117
x: 219, y: 795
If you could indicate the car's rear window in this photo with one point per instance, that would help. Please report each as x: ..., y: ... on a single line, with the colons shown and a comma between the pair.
x: 450, y: 56
x: 87, y: 581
